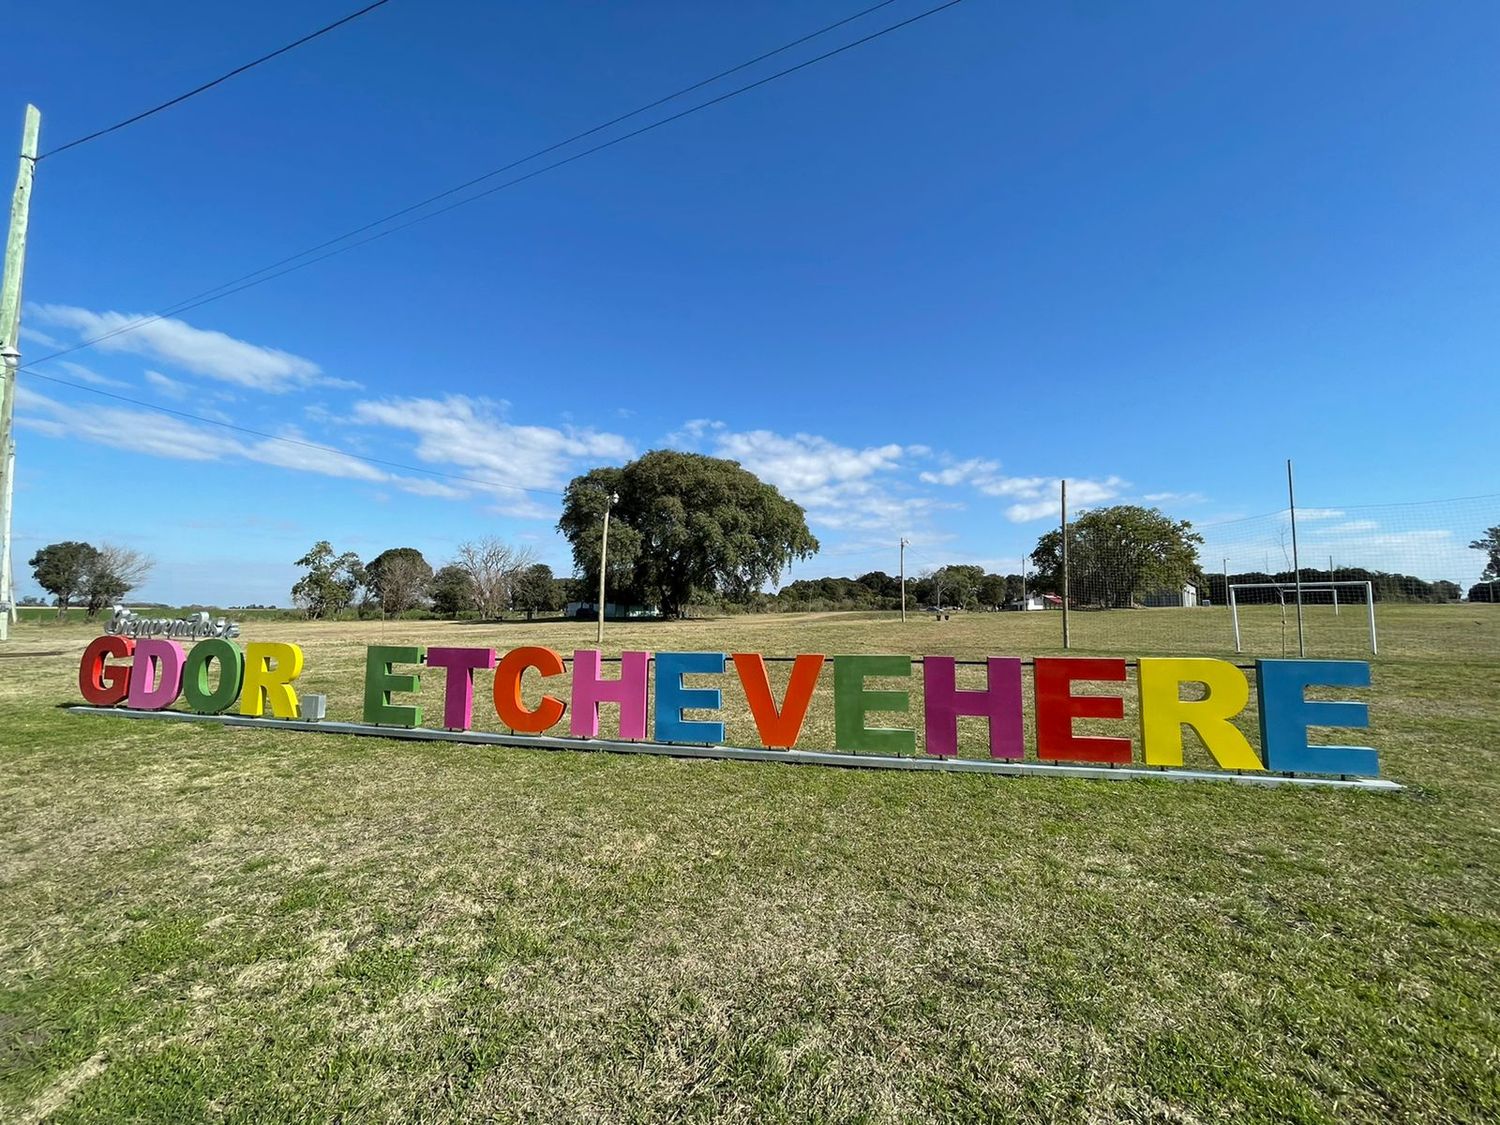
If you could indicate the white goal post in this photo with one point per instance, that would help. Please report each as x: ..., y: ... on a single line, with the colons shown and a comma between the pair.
x: 1284, y: 588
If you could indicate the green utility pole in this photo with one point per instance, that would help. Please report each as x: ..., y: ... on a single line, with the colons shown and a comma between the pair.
x: 10, y: 353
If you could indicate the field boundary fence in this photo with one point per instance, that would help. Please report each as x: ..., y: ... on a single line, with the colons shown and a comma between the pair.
x: 1311, y: 580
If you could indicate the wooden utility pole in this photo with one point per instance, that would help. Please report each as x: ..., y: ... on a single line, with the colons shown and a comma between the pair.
x: 10, y: 352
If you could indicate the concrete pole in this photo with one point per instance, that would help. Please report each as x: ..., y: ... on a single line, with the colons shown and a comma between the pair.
x: 1234, y: 612
x: 1067, y: 638
x: 7, y: 577
x: 1291, y: 498
x: 10, y: 331
x: 609, y: 503
x: 903, y: 579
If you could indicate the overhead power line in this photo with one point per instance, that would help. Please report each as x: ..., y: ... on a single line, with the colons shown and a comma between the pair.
x: 213, y: 295
x: 331, y: 247
x: 447, y: 192
x: 210, y: 85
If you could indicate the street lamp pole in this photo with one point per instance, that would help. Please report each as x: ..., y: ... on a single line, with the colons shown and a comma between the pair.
x: 613, y: 499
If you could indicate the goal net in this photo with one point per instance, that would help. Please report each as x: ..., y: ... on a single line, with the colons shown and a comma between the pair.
x: 1335, y: 597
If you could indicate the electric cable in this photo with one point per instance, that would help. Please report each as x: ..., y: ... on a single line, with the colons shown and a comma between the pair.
x: 94, y: 136
x: 292, y: 264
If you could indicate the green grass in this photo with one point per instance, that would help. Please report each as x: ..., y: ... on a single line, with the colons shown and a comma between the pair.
x: 203, y: 923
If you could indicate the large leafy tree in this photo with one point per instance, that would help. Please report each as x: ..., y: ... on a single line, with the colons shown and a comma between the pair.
x: 62, y: 569
x: 992, y: 591
x: 1490, y: 544
x: 535, y: 590
x: 684, y: 523
x: 1116, y: 553
x: 881, y: 584
x: 398, y: 578
x: 330, y: 582
x: 957, y: 584
x: 451, y: 591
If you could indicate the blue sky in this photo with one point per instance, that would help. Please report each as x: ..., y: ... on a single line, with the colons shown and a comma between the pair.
x: 1153, y: 248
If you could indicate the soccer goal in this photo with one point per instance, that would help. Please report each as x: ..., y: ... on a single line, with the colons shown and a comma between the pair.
x: 1313, y: 593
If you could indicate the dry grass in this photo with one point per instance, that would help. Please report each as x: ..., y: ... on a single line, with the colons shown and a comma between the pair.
x: 258, y: 925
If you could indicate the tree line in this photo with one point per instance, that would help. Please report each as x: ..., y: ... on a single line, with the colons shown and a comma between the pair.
x: 685, y: 529
x: 956, y: 586
x: 1117, y: 556
x: 486, y: 578
x: 1384, y: 586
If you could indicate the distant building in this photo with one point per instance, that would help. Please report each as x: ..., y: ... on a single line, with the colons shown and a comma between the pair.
x: 1184, y: 597
x: 612, y: 611
x: 1035, y: 602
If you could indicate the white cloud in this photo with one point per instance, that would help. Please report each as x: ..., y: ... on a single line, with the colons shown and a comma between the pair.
x: 693, y: 431
x: 135, y: 430
x: 167, y: 386
x: 1319, y: 513
x: 309, y: 458
x: 1264, y: 543
x: 963, y: 472
x: 85, y: 375
x: 520, y: 506
x: 456, y: 431
x: 1036, y: 497
x: 1044, y: 497
x: 1429, y: 553
x: 158, y: 435
x: 869, y: 508
x: 420, y: 486
x: 201, y: 351
x: 40, y: 337
x: 1033, y: 510
x: 804, y: 462
x: 985, y: 476
x: 1174, y: 498
x: 504, y: 458
x: 841, y: 487
x: 26, y: 398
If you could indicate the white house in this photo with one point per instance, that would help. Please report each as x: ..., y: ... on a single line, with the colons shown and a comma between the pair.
x: 1035, y: 601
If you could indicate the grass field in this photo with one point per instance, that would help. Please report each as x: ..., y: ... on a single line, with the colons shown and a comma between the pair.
x: 213, y: 923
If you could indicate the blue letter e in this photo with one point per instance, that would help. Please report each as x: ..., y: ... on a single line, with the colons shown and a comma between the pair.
x: 672, y: 698
x: 1285, y: 715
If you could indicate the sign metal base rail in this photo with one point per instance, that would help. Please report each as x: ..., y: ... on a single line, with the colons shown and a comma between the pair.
x: 747, y: 754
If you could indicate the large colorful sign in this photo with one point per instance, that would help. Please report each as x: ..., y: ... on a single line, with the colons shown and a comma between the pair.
x: 217, y: 675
